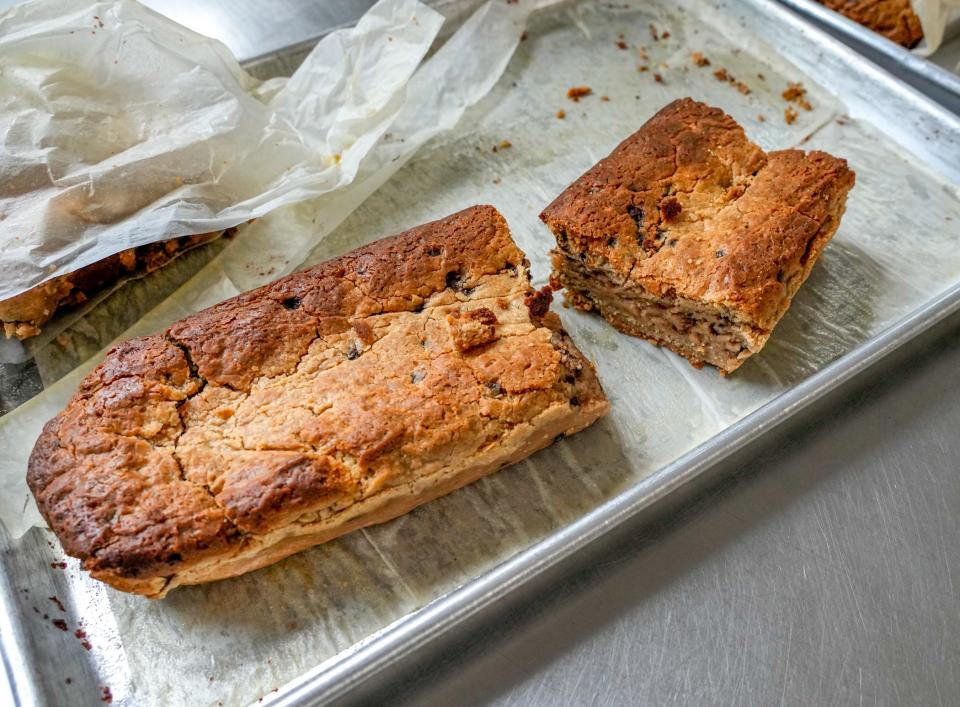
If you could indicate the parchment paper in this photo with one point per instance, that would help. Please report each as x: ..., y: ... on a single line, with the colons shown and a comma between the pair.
x: 123, y: 128
x: 236, y: 640
x: 934, y: 16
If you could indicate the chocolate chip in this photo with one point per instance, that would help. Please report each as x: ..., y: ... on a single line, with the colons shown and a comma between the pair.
x: 454, y: 282
x: 636, y: 213
x: 433, y: 251
x: 720, y: 253
x: 612, y: 241
x: 174, y: 557
x: 354, y: 351
x: 494, y: 387
x: 291, y: 302
x: 417, y: 376
x: 670, y: 209
x: 575, y: 401
x: 781, y: 276
x: 559, y: 437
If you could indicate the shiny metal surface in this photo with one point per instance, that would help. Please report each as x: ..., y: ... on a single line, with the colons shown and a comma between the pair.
x: 841, y: 587
x: 933, y: 76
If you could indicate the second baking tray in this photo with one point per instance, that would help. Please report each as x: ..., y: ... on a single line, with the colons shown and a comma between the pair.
x: 313, y: 626
x: 936, y: 76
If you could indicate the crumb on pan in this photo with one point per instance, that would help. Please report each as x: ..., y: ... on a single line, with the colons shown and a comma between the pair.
x: 561, y: 114
x: 790, y: 116
x: 575, y: 93
x: 699, y: 59
x: 796, y: 93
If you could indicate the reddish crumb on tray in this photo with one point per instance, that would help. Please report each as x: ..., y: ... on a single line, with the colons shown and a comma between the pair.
x: 722, y: 74
x: 59, y: 565
x: 761, y: 118
x: 577, y: 92
x: 699, y: 59
x: 605, y: 99
x: 654, y: 33
x: 621, y: 44
x: 59, y: 603
x: 60, y: 624
x: 665, y: 35
x: 796, y: 93
x: 790, y: 115
x: 658, y: 78
x: 106, y: 695
x: 641, y: 68
x: 561, y: 114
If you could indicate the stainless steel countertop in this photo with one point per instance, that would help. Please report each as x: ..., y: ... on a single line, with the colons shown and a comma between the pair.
x: 825, y: 568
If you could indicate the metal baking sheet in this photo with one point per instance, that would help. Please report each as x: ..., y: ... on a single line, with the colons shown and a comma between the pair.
x: 935, y: 75
x: 311, y: 628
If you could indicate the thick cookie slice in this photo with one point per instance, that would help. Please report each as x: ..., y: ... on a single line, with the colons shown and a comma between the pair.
x: 689, y: 235
x: 334, y: 398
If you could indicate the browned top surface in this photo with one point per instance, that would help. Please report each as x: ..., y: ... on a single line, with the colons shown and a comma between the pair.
x: 303, y: 396
x: 894, y: 19
x: 687, y: 206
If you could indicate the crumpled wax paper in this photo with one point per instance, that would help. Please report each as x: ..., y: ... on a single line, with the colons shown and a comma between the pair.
x: 121, y: 127
x: 455, y: 77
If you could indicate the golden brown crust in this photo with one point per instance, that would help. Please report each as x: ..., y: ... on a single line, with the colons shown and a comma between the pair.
x: 688, y: 210
x: 894, y: 19
x: 23, y: 316
x: 333, y: 398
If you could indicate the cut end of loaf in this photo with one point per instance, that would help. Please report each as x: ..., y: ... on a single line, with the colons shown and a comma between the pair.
x: 694, y: 238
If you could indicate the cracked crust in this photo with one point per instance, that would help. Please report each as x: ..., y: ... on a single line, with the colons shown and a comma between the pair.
x: 690, y: 216
x: 334, y: 398
x: 22, y: 316
x: 894, y: 19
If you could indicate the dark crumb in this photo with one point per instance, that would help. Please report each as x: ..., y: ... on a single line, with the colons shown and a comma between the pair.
x: 68, y: 680
x: 641, y: 68
x: 59, y: 565
x: 605, y: 99
x: 699, y: 59
x: 842, y: 120
x: 106, y: 695
x: 60, y: 624
x: 721, y: 75
x: 790, y: 115
x: 761, y: 118
x: 59, y: 603
x: 665, y: 35
x: 658, y: 78
x: 523, y: 36
x: 561, y: 114
x: 577, y: 92
x: 497, y: 180
x: 621, y: 44
x: 742, y: 87
x: 653, y: 32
